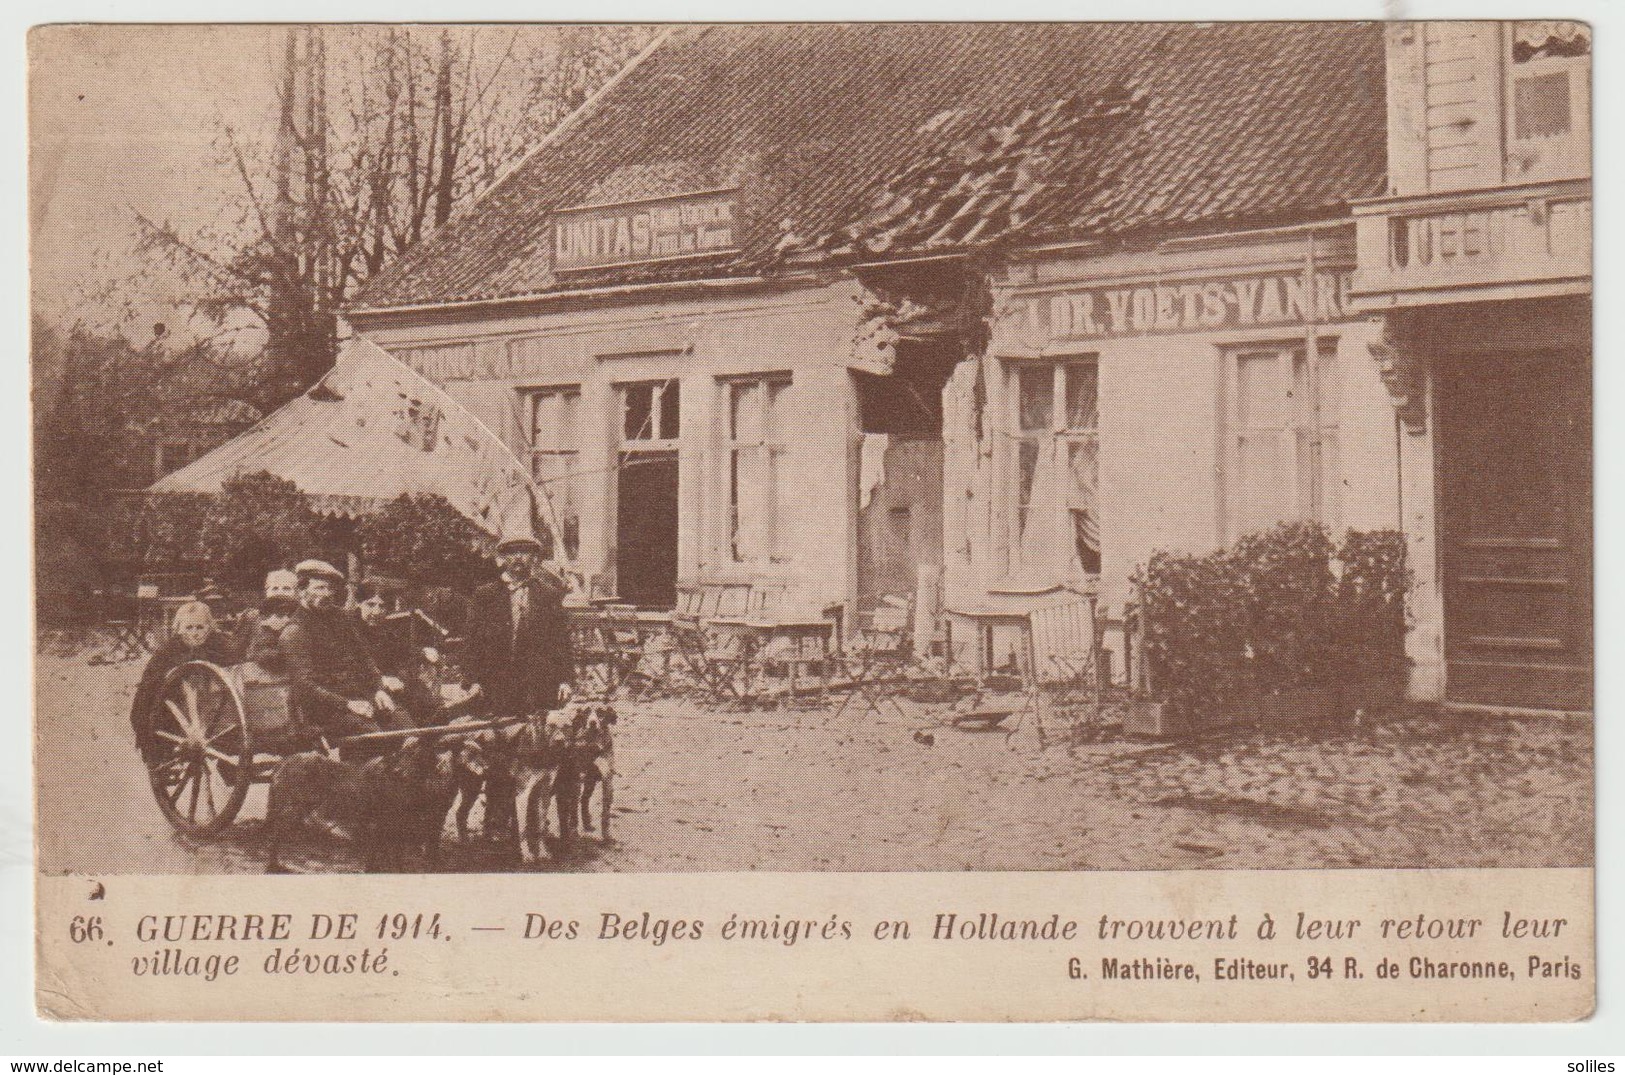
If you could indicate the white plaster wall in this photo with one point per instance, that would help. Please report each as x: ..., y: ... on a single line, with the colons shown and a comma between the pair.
x: 1369, y: 438
x: 1158, y: 409
x: 1424, y: 642
x: 807, y: 333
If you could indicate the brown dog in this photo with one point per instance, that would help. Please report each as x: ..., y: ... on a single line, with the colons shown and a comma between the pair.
x: 391, y: 805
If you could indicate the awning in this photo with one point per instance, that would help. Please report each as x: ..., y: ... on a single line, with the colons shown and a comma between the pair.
x: 370, y: 431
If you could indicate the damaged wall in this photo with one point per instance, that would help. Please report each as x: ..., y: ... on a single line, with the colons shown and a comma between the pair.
x: 1169, y: 429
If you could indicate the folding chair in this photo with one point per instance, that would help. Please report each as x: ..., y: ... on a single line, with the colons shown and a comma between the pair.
x: 878, y: 658
x: 691, y: 638
x: 730, y: 644
x: 625, y: 640
x: 595, y: 666
x: 121, y: 615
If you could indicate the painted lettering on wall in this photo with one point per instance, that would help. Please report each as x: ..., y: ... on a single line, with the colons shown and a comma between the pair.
x: 1104, y: 313
x: 685, y: 226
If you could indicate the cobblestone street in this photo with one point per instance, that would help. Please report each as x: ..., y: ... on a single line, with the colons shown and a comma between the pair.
x: 808, y: 790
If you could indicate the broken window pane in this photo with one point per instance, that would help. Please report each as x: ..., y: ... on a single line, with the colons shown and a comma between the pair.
x: 1285, y: 438
x: 670, y: 407
x: 751, y: 474
x: 1035, y: 396
x: 1082, y: 395
x: 761, y: 500
x: 745, y: 412
x: 1027, y: 462
x: 554, y: 460
x: 638, y: 411
x: 1054, y: 506
x: 1261, y: 396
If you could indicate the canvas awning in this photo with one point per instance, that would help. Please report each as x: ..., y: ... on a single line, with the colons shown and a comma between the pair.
x: 372, y: 430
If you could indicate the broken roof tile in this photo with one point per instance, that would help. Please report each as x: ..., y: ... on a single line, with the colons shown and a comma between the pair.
x: 847, y: 140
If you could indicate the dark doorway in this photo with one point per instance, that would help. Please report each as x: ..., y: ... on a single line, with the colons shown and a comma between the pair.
x: 646, y: 529
x: 1513, y: 444
x: 901, y: 527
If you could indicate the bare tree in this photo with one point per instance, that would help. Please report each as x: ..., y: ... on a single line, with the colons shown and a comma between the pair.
x: 382, y: 133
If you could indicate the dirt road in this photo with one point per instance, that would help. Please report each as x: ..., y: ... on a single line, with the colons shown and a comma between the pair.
x: 807, y: 790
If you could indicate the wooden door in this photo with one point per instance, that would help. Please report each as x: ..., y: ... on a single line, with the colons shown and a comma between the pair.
x: 1513, y: 446
x: 901, y: 528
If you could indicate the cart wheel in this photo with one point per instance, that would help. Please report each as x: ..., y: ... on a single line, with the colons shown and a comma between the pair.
x: 201, y: 761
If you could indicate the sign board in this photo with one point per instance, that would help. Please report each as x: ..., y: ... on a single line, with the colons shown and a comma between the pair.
x: 659, y: 229
x: 1199, y: 306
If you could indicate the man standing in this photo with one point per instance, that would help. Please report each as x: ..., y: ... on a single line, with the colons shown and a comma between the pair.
x: 336, y: 685
x: 519, y: 640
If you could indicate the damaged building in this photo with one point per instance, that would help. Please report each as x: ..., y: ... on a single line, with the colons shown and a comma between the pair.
x: 976, y: 312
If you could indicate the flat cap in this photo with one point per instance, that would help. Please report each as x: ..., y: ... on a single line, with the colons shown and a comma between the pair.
x: 519, y: 541
x: 317, y: 569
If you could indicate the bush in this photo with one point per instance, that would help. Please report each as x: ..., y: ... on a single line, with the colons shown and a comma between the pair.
x: 1285, y: 582
x: 426, y: 542
x: 1370, y: 601
x: 260, y: 522
x: 151, y: 533
x: 1278, y: 610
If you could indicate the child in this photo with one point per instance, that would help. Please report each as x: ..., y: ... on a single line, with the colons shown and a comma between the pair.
x: 192, y: 638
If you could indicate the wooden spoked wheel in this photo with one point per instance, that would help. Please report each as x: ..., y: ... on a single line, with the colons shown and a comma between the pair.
x: 201, y: 762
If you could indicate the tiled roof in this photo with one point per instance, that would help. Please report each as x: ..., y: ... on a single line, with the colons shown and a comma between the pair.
x: 865, y: 141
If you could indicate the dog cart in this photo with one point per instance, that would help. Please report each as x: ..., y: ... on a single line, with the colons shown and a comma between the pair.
x: 217, y: 731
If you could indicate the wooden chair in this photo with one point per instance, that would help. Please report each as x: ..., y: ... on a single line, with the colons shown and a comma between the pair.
x: 690, y: 636
x: 121, y: 616
x: 1065, y: 666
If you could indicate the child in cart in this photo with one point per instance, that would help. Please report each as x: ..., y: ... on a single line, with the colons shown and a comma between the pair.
x: 193, y: 636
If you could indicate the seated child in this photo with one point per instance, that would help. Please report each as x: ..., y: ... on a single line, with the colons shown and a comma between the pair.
x: 192, y: 638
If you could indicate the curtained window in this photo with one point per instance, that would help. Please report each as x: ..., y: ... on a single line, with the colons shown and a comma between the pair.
x: 555, y: 455
x: 1055, y: 512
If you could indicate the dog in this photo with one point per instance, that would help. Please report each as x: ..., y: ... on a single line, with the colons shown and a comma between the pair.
x: 592, y: 727
x: 482, y: 765
x: 543, y: 772
x: 390, y: 805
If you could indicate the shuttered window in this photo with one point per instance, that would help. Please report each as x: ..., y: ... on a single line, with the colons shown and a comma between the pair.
x: 1283, y: 437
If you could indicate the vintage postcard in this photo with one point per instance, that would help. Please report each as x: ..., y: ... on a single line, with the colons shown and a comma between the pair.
x: 813, y: 521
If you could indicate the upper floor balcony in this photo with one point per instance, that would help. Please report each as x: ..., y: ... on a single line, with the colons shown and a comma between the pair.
x: 1489, y: 163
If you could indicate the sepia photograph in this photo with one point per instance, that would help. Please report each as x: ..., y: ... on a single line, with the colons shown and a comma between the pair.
x: 812, y: 447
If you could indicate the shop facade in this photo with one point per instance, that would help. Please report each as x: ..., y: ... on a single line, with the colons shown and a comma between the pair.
x: 1176, y: 397
x: 988, y: 333
x: 680, y: 437
x: 1479, y: 262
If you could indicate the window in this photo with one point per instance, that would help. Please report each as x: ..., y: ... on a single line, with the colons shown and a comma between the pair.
x: 1548, y: 100
x: 650, y: 411
x: 555, y: 455
x: 760, y: 505
x: 1055, y: 511
x: 1282, y: 437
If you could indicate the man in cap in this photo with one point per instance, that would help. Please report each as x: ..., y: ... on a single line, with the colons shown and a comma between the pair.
x: 335, y: 682
x: 518, y: 638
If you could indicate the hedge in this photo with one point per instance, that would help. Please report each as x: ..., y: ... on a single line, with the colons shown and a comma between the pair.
x: 1281, y: 609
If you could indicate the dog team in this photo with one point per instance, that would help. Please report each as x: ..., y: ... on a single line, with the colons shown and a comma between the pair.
x: 350, y: 674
